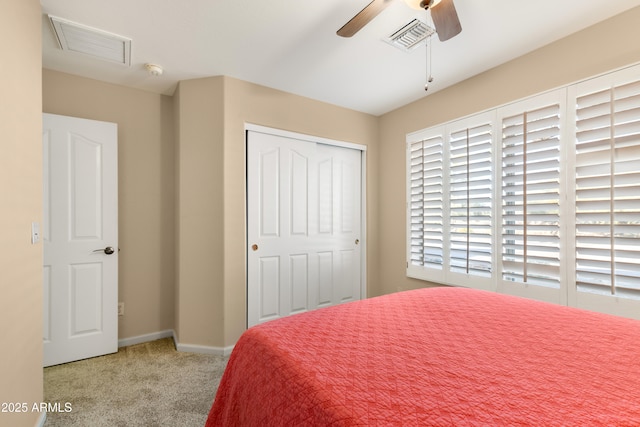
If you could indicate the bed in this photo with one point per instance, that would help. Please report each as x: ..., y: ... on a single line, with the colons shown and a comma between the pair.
x: 435, y: 357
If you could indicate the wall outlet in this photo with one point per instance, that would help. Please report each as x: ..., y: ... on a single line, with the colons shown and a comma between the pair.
x: 120, y: 309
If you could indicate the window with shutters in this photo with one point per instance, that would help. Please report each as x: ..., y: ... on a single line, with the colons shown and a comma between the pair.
x: 451, y: 202
x: 470, y: 200
x: 539, y: 198
x: 531, y: 197
x: 426, y: 202
x: 607, y: 187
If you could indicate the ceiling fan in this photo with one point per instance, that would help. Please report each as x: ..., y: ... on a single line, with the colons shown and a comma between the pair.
x: 443, y: 13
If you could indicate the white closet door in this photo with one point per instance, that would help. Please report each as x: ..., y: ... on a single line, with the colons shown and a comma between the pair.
x: 304, y: 225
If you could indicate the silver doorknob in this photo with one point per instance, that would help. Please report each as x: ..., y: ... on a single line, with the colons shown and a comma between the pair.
x: 108, y: 250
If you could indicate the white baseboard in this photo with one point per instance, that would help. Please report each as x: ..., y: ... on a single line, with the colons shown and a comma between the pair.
x: 203, y: 349
x: 146, y: 338
x: 170, y: 333
x: 41, y: 419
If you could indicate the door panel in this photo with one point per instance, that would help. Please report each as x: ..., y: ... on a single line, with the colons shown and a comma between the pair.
x: 80, y: 279
x: 85, y: 188
x: 86, y: 299
x: 269, y: 290
x: 325, y: 279
x: 46, y: 306
x: 299, y: 194
x: 299, y: 282
x: 346, y: 289
x: 303, y: 214
x: 270, y: 193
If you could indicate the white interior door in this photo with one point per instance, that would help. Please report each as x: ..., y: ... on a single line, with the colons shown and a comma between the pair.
x: 80, y: 237
x: 304, y: 225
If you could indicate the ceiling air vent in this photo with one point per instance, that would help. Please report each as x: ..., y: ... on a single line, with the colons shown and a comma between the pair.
x: 99, y: 44
x: 410, y: 36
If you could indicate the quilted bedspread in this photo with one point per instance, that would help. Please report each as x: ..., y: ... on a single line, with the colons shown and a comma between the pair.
x: 435, y: 357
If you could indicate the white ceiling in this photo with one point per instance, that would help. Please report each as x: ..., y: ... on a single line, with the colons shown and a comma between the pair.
x: 292, y: 45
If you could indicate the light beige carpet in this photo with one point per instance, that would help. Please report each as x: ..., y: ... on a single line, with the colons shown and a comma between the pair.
x: 148, y: 384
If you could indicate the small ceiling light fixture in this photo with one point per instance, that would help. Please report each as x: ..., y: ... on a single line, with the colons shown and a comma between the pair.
x: 154, y: 69
x: 421, y: 4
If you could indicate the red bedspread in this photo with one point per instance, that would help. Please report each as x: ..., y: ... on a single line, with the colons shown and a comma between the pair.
x: 435, y: 357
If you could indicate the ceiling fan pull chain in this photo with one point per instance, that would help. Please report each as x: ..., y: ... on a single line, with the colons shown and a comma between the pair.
x: 427, y: 65
x: 429, y: 77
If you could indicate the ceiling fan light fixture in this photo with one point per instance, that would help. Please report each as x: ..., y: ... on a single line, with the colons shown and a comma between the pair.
x: 443, y: 13
x: 421, y: 4
x: 414, y: 4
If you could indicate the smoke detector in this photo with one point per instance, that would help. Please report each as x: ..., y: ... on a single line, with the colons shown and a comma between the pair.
x: 154, y: 69
x: 410, y: 36
x: 99, y: 44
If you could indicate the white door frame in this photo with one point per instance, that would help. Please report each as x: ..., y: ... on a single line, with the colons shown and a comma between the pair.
x: 363, y: 195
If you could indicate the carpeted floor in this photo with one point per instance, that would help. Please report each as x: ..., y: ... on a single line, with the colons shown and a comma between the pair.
x: 148, y: 384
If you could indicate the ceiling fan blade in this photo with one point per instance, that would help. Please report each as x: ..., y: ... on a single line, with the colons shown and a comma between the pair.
x: 363, y: 17
x: 445, y: 19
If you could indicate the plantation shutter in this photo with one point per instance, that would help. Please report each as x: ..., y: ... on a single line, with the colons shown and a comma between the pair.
x: 426, y: 202
x: 531, y: 197
x: 538, y: 198
x: 607, y: 181
x: 470, y: 200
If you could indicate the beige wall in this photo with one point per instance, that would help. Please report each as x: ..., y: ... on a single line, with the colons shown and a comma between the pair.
x: 199, y: 223
x: 145, y: 187
x: 211, y: 144
x: 609, y: 45
x: 21, y: 203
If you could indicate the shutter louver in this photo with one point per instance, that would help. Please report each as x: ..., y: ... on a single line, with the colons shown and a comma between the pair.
x: 470, y: 199
x: 531, y: 197
x: 426, y: 203
x: 607, y: 179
